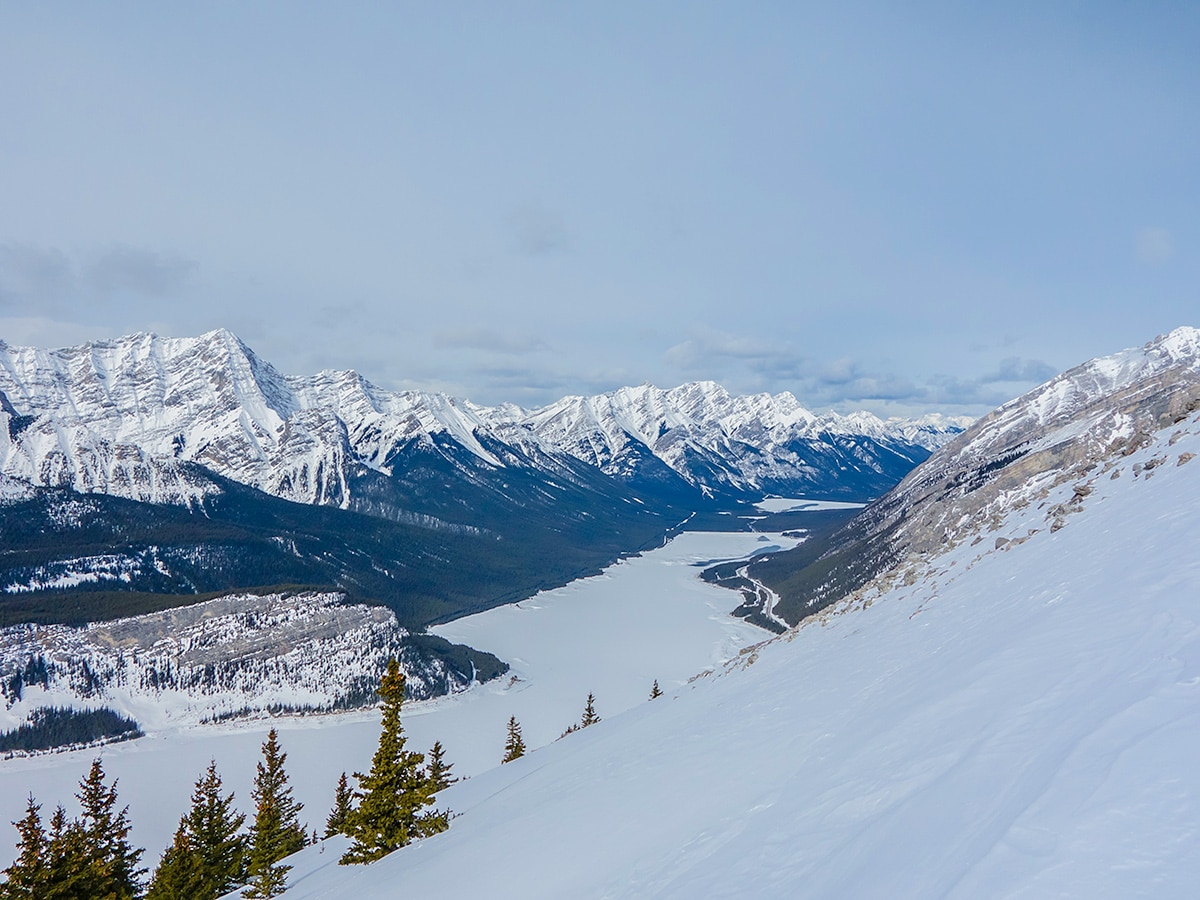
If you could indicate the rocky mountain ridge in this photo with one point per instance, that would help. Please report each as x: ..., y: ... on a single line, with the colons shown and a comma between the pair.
x: 123, y: 416
x: 1076, y: 427
x: 242, y: 654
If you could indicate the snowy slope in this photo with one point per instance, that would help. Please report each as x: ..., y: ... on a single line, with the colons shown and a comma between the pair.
x: 1017, y: 716
x: 123, y: 416
x: 1062, y: 431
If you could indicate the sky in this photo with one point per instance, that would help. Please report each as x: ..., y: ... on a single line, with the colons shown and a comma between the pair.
x: 930, y: 208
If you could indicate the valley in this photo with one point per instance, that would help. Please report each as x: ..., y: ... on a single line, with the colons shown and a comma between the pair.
x: 648, y: 617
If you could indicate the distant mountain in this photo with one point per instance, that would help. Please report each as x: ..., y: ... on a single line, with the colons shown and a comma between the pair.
x: 1074, y: 428
x: 123, y: 417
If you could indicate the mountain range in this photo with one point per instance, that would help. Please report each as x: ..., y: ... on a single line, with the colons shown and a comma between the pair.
x: 126, y: 417
x: 144, y: 472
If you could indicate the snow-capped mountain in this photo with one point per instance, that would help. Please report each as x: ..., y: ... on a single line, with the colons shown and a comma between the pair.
x: 1074, y: 428
x: 127, y: 417
x: 748, y: 444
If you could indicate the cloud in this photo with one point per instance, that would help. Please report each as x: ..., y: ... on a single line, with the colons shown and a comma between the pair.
x: 746, y: 364
x: 707, y: 345
x: 48, y: 280
x: 134, y: 270
x: 487, y: 339
x: 1155, y: 246
x: 536, y: 231
x: 1022, y: 370
x: 38, y: 277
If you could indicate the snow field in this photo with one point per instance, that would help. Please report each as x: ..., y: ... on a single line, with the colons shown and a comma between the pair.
x: 1019, y: 722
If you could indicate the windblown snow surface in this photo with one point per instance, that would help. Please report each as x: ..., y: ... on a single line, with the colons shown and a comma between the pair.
x: 1020, y: 720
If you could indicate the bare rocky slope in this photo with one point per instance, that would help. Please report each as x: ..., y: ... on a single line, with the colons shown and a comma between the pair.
x: 1073, y: 428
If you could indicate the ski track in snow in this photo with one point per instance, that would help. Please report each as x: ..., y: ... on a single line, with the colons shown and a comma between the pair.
x: 644, y: 618
x: 1020, y: 722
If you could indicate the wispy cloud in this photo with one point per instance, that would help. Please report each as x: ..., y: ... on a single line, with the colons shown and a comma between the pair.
x: 38, y: 280
x: 135, y: 270
x: 746, y: 364
x: 35, y: 278
x: 1020, y: 370
x: 490, y: 340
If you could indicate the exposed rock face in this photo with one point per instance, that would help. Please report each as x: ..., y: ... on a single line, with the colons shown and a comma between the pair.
x: 1074, y: 427
x: 124, y: 416
x: 233, y: 655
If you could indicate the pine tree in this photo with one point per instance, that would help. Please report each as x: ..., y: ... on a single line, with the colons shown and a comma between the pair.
x: 28, y: 875
x: 393, y: 794
x: 655, y: 692
x: 514, y: 745
x: 111, y: 861
x: 277, y: 831
x: 339, y: 816
x: 589, y: 712
x: 438, y: 769
x: 208, y: 856
x: 70, y: 871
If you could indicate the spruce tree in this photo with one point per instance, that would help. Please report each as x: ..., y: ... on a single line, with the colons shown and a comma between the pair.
x: 111, y: 861
x: 70, y: 871
x: 339, y: 816
x: 589, y: 712
x: 655, y: 692
x: 28, y: 875
x: 208, y: 856
x: 438, y: 769
x: 396, y: 790
x: 514, y: 744
x: 277, y: 831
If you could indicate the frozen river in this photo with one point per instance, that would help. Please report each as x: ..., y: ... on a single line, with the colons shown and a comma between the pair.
x: 645, y: 618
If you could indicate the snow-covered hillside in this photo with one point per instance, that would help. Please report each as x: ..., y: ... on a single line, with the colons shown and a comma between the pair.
x: 125, y: 416
x: 1017, y: 715
x: 230, y: 656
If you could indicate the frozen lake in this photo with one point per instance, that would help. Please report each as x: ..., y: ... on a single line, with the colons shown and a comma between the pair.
x: 645, y: 618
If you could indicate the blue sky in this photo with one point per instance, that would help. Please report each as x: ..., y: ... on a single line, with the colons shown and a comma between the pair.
x: 927, y: 208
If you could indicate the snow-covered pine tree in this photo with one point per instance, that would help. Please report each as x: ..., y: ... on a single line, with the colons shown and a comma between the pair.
x: 514, y: 744
x: 27, y: 876
x: 396, y: 790
x: 589, y: 712
x: 208, y: 856
x: 438, y: 769
x: 656, y: 691
x: 277, y: 831
x: 339, y: 816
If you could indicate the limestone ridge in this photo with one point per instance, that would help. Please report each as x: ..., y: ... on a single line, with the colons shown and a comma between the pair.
x: 145, y: 418
x: 1074, y: 427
